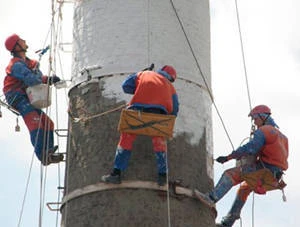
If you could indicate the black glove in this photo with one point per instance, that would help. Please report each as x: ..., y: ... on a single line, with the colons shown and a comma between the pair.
x: 53, y: 79
x: 222, y: 159
x: 150, y: 68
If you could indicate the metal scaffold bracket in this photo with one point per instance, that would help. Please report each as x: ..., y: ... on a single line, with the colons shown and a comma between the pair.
x: 178, y: 190
x: 53, y: 206
x: 61, y: 132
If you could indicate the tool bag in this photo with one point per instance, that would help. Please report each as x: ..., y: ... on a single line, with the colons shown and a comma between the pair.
x: 262, y: 180
x: 150, y: 124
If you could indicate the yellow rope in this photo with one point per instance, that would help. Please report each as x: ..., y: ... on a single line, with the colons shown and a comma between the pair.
x: 83, y: 119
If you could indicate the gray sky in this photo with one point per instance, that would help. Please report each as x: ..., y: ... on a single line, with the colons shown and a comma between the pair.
x: 271, y: 45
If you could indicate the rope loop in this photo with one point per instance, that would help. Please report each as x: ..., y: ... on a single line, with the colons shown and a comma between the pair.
x: 84, y: 119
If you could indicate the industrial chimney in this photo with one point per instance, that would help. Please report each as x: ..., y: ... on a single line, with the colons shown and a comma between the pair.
x: 113, y: 39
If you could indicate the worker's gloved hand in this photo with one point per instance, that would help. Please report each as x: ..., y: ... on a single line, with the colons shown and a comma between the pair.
x: 222, y: 159
x: 53, y: 79
x: 150, y: 68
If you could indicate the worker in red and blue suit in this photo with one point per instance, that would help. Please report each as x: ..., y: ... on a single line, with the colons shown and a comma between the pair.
x: 21, y: 73
x: 153, y: 92
x: 268, y: 145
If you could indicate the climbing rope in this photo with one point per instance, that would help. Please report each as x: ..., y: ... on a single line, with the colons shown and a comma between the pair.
x: 27, y: 183
x: 148, y: 30
x: 243, y: 54
x: 58, y: 166
x: 168, y: 191
x: 201, y: 73
x: 204, y: 79
x: 56, y: 30
x: 247, y: 85
x: 43, y: 170
x: 253, y: 202
x: 66, y: 191
x: 83, y: 119
x: 25, y: 193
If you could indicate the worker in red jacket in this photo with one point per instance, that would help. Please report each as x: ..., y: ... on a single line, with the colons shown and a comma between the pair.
x: 268, y: 145
x: 153, y: 92
x: 21, y: 73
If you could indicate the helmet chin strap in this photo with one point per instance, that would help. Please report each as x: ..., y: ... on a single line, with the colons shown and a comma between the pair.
x: 264, y: 120
x: 21, y: 48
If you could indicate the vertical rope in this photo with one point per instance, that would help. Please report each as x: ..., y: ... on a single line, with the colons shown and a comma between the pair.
x: 58, y: 164
x: 53, y: 41
x: 243, y: 54
x: 66, y: 192
x: 43, y: 170
x: 168, y: 192
x: 26, y: 190
x: 46, y: 135
x: 148, y: 30
x: 202, y: 74
x: 28, y: 178
x: 56, y: 29
x: 58, y: 196
x: 241, y: 222
x: 246, y: 79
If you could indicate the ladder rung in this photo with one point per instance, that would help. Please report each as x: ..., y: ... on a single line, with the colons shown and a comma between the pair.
x: 60, y: 131
x: 51, y: 204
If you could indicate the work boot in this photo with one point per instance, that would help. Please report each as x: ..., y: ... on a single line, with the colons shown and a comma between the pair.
x: 204, y: 198
x: 55, y: 158
x: 52, y: 158
x: 45, y: 156
x: 228, y: 220
x: 162, y: 179
x: 220, y: 225
x: 113, y: 179
x: 52, y: 150
x: 234, y: 213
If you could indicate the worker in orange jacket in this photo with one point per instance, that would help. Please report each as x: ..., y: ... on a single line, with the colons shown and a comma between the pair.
x: 268, y: 145
x: 153, y: 92
x: 21, y: 73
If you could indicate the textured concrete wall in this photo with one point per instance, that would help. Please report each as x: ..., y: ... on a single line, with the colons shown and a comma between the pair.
x: 123, y: 37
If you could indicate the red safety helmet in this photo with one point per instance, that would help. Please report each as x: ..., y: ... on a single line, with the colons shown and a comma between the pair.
x: 260, y: 109
x: 171, y: 71
x: 11, y: 42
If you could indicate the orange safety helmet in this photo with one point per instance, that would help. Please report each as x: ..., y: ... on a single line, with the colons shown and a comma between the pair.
x: 260, y: 109
x: 171, y: 71
x: 11, y: 42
